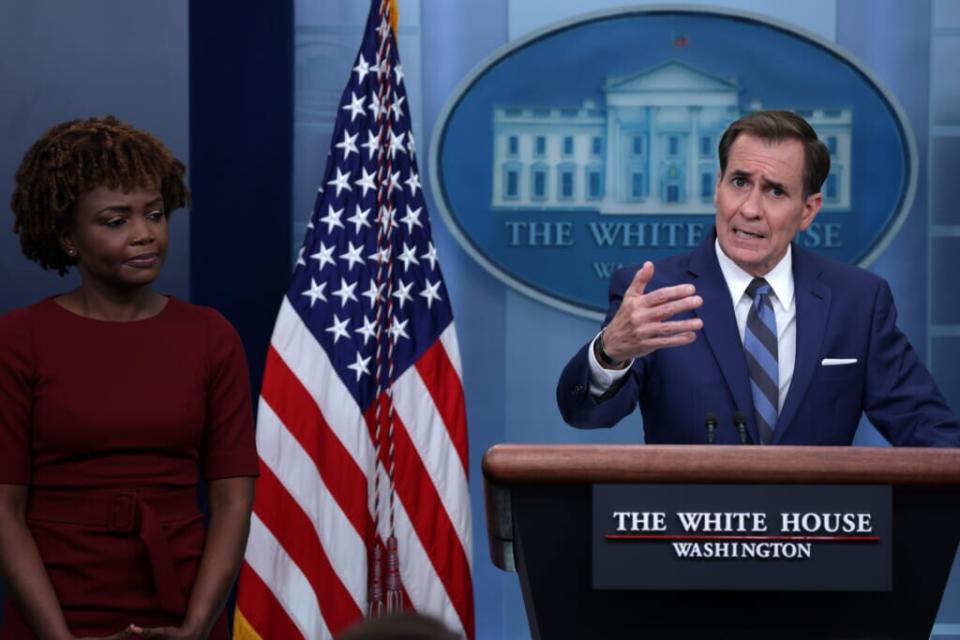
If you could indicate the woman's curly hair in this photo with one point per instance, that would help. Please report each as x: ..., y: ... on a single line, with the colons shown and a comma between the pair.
x: 78, y: 156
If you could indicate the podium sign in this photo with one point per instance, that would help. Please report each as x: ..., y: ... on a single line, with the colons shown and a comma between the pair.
x: 742, y: 537
x: 551, y: 508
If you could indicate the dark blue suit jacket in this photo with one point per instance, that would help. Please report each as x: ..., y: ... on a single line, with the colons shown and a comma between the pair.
x: 842, y: 312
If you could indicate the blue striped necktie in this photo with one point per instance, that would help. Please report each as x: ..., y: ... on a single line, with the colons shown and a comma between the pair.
x: 760, y: 345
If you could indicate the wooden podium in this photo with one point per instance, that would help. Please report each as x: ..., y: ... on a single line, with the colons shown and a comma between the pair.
x: 539, y: 522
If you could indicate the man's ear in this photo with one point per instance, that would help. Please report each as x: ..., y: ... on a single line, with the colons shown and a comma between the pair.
x: 810, y: 209
x: 716, y: 187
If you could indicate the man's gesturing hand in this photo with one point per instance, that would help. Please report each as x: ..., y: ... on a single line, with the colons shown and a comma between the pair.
x: 642, y: 323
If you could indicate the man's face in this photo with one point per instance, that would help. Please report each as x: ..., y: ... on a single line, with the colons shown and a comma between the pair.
x: 759, y: 201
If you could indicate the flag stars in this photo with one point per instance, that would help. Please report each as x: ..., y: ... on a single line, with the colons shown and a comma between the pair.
x: 413, y: 183
x: 345, y: 292
x: 387, y: 218
x: 324, y: 256
x: 396, y: 107
x: 300, y: 260
x: 352, y: 255
x: 384, y: 67
x: 378, y: 64
x: 373, y: 293
x: 362, y: 69
x: 348, y: 144
x: 375, y: 107
x: 359, y: 219
x: 315, y: 292
x: 360, y: 366
x: 431, y: 291
x: 383, y: 26
x: 398, y: 329
x: 396, y: 144
x: 412, y: 219
x: 411, y: 146
x: 392, y: 182
x: 366, y: 181
x: 371, y: 145
x: 398, y: 74
x: 339, y: 328
x: 332, y: 219
x: 402, y: 294
x: 430, y: 256
x: 368, y: 330
x: 379, y: 255
x: 408, y: 256
x: 341, y: 182
x: 355, y: 107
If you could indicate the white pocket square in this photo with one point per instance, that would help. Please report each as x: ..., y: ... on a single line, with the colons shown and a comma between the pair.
x: 833, y: 362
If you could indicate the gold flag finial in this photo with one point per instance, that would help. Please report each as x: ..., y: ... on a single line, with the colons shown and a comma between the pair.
x: 394, y: 16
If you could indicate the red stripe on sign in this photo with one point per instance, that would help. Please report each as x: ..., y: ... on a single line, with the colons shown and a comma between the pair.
x: 810, y: 538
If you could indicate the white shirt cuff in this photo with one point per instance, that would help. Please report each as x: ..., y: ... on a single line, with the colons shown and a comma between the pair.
x: 602, y: 379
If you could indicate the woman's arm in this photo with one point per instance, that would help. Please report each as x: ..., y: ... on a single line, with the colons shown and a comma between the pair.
x: 231, y: 501
x: 23, y: 569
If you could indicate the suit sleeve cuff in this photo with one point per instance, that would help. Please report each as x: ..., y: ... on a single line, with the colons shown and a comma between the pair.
x: 602, y: 379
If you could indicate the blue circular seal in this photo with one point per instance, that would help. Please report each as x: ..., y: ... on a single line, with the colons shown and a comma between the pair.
x: 593, y: 144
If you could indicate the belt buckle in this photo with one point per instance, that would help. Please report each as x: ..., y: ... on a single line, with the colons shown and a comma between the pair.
x: 123, y: 512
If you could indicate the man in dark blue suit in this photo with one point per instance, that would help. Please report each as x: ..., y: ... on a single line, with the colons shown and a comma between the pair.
x: 794, y: 347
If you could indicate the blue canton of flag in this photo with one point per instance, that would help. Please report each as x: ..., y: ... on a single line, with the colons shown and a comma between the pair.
x: 371, y: 176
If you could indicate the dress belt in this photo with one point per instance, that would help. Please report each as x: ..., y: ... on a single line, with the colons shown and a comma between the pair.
x: 126, y: 511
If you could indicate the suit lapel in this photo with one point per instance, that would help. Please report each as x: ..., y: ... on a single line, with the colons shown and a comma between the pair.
x: 813, y: 307
x: 720, y: 327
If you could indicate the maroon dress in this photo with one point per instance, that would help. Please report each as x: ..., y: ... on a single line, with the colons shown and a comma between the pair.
x: 110, y: 424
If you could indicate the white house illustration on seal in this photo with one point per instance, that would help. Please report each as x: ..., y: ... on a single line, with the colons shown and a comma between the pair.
x: 650, y: 149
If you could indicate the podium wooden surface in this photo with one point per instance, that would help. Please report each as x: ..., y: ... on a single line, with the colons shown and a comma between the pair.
x: 539, y: 524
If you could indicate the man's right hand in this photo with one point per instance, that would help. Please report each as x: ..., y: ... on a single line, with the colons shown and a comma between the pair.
x: 642, y: 323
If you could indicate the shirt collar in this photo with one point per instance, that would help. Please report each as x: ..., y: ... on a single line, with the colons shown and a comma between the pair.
x: 780, y: 278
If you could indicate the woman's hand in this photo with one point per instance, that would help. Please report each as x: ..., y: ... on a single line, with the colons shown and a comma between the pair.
x: 166, y: 633
x: 119, y: 635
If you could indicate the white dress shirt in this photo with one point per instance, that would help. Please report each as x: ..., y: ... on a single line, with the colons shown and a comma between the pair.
x: 783, y: 300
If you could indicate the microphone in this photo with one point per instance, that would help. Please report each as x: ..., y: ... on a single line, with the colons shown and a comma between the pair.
x: 740, y: 421
x: 711, y: 423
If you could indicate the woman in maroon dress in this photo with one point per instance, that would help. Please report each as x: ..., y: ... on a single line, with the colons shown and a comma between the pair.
x: 113, y: 400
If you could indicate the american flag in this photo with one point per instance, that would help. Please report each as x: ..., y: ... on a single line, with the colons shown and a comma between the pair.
x: 363, y: 504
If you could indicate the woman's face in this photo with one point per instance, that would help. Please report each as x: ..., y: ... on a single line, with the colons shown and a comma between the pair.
x: 119, y: 238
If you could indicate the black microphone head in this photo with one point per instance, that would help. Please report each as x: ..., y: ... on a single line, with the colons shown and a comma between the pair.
x: 711, y: 418
x: 740, y: 421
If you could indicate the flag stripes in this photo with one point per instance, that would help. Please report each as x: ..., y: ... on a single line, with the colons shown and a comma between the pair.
x: 257, y: 608
x: 439, y: 374
x: 292, y: 464
x: 432, y: 444
x: 294, y: 531
x: 303, y: 419
x: 432, y: 523
x: 285, y: 581
x: 309, y: 362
